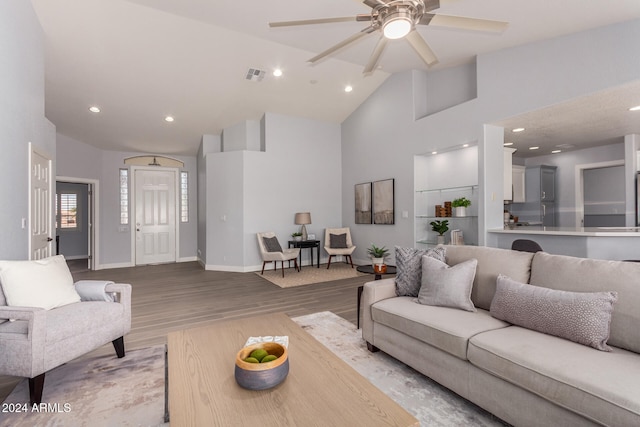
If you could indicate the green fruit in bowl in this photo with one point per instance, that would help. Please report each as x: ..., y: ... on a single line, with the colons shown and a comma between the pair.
x: 269, y: 358
x: 251, y: 360
x: 259, y: 353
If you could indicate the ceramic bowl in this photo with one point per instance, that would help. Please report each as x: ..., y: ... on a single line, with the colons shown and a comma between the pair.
x: 261, y: 376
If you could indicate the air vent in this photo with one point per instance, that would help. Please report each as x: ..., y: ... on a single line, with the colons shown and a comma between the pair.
x: 255, y: 75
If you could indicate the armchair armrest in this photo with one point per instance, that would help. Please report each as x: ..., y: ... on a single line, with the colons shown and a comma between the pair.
x: 122, y: 293
x: 36, y: 317
x: 373, y: 292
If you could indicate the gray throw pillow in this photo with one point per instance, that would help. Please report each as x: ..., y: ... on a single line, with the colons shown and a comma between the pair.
x: 338, y: 241
x: 409, y: 268
x: 446, y: 286
x: 271, y: 244
x: 582, y: 317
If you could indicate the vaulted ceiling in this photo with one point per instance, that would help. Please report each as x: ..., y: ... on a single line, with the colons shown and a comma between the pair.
x: 143, y: 60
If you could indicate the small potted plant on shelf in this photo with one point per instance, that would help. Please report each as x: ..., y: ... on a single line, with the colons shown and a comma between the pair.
x: 460, y: 205
x: 440, y: 227
x: 377, y: 258
x: 297, y: 236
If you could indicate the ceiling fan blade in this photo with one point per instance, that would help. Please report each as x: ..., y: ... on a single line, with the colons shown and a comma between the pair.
x: 313, y: 21
x: 464, y: 23
x: 375, y: 56
x: 342, y: 44
x: 373, y: 3
x: 422, y: 48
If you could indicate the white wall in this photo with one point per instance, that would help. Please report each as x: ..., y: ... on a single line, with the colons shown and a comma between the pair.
x: 254, y: 191
x: 21, y: 118
x: 381, y: 137
x: 80, y: 160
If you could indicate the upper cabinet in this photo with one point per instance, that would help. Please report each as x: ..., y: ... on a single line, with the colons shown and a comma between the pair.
x: 508, y: 183
x: 518, y: 182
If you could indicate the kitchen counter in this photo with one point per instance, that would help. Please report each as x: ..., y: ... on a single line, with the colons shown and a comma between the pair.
x: 613, y: 243
x: 571, y: 231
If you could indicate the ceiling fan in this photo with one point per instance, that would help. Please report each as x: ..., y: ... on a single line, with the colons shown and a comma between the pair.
x: 397, y: 19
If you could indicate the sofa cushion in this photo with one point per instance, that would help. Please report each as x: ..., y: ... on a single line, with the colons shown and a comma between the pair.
x: 44, y: 283
x: 582, y: 317
x: 491, y: 262
x: 448, y: 329
x: 91, y: 316
x: 602, y: 386
x: 593, y: 275
x: 338, y: 241
x: 409, y: 268
x: 447, y: 286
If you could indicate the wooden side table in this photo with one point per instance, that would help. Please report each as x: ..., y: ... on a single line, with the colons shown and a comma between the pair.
x: 391, y: 269
x: 310, y: 244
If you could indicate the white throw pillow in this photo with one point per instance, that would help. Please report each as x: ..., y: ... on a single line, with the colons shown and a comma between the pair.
x: 45, y: 283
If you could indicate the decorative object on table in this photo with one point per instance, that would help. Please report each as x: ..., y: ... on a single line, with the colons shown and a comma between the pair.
x: 303, y: 218
x: 460, y: 205
x: 440, y: 227
x: 253, y: 374
x: 378, y: 255
x: 363, y: 203
x: 311, y: 236
x: 383, y: 202
x: 297, y: 236
x: 337, y: 241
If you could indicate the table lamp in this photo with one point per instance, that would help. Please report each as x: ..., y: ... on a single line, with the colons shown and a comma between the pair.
x: 303, y: 218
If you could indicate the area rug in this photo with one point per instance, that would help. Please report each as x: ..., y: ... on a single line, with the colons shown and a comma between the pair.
x: 311, y: 274
x: 428, y: 401
x: 98, y: 391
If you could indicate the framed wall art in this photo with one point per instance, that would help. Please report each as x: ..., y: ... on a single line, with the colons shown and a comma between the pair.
x: 383, y: 202
x: 363, y: 203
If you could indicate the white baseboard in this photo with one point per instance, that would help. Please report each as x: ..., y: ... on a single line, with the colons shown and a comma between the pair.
x: 188, y: 259
x: 117, y: 265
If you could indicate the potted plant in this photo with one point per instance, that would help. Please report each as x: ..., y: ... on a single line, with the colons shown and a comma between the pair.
x: 460, y: 205
x: 440, y: 227
x: 297, y: 236
x: 377, y: 258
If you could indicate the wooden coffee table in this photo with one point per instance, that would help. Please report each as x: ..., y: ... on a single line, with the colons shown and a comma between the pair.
x: 320, y: 389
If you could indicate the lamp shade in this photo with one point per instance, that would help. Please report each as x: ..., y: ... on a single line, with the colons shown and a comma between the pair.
x: 302, y: 218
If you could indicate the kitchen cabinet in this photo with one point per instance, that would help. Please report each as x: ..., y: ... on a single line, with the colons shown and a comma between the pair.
x: 507, y: 179
x: 518, y: 183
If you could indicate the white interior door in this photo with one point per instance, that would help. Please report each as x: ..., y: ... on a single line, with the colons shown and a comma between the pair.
x: 40, y: 209
x: 155, y: 195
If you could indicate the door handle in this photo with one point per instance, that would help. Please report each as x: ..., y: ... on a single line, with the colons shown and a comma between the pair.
x: 49, y: 239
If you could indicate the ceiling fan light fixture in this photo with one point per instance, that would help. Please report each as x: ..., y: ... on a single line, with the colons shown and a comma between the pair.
x: 397, y: 25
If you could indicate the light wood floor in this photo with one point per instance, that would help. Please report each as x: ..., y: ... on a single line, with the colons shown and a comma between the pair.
x: 176, y: 296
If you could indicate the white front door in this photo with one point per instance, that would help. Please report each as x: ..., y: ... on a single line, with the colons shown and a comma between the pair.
x: 40, y: 211
x: 155, y: 195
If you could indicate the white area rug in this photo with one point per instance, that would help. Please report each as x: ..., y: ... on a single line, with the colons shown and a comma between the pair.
x: 432, y: 404
x: 100, y: 391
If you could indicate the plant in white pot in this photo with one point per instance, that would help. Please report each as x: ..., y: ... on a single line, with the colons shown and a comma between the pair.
x: 440, y: 227
x: 460, y: 205
x: 297, y: 236
x: 377, y: 257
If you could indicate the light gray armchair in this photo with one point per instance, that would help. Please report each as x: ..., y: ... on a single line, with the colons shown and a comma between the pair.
x: 337, y: 241
x: 272, y: 252
x: 37, y: 340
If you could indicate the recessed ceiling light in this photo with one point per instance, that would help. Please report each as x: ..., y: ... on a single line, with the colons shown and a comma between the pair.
x: 348, y: 88
x: 516, y: 130
x: 277, y: 72
x: 465, y: 145
x: 168, y: 119
x: 636, y: 108
x: 533, y: 148
x: 506, y: 144
x: 434, y: 152
x: 556, y: 151
x: 94, y: 109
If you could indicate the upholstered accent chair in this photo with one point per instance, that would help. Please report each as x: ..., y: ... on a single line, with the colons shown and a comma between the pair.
x: 337, y: 241
x: 525, y: 245
x: 271, y: 251
x: 42, y: 326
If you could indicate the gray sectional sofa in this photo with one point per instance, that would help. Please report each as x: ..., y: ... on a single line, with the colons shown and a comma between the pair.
x: 524, y: 377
